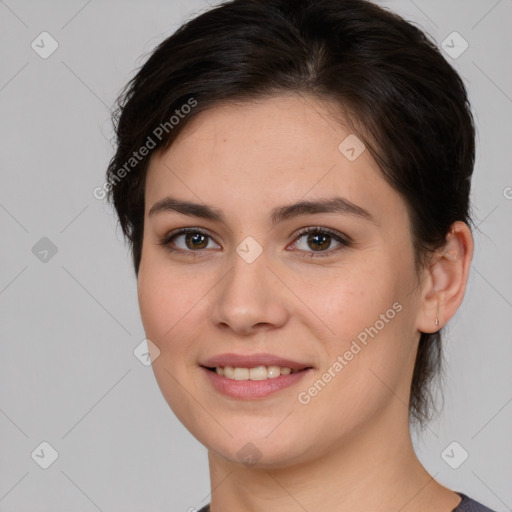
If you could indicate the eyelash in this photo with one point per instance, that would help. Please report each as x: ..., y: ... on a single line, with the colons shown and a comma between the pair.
x: 344, y: 242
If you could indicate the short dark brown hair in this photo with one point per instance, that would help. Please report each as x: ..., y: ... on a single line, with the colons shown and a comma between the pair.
x: 410, y: 105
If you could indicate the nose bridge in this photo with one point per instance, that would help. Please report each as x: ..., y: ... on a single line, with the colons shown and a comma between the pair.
x: 247, y: 296
x: 245, y: 285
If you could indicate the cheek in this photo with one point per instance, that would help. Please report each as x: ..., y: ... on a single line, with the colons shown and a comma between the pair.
x: 155, y: 303
x: 168, y: 298
x: 368, y: 313
x: 347, y: 298
x: 166, y: 304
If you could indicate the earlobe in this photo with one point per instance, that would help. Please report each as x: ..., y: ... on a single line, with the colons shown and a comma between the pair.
x: 444, y: 289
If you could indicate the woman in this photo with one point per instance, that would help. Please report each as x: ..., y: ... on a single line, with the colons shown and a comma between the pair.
x: 293, y: 178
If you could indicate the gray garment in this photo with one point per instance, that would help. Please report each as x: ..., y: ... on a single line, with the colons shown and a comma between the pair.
x: 466, y: 505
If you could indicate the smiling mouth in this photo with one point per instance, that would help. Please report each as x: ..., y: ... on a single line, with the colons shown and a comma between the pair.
x: 260, y: 372
x: 254, y: 383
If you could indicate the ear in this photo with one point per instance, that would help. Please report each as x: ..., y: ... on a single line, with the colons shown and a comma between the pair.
x: 444, y: 281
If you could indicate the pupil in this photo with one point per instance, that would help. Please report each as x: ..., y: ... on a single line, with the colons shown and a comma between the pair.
x: 316, y: 238
x: 195, y: 237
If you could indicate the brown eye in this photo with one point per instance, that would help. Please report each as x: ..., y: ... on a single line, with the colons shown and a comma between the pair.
x: 196, y: 241
x: 320, y: 240
x: 187, y: 241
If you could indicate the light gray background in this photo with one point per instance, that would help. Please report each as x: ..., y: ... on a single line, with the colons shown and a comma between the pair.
x: 69, y: 325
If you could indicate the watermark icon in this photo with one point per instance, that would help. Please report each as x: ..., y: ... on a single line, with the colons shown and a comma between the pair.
x: 44, y: 45
x: 151, y: 142
x: 44, y: 250
x: 351, y: 147
x: 249, y: 454
x: 507, y: 192
x: 304, y: 397
x: 44, y: 455
x: 146, y: 352
x: 454, y: 455
x: 249, y: 249
x: 455, y: 45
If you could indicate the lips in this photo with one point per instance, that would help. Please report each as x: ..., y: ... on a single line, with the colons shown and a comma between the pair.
x: 251, y: 361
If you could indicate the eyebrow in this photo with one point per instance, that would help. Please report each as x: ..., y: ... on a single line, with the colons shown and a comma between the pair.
x: 338, y: 205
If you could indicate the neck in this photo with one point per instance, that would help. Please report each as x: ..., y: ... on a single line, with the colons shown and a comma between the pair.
x: 374, y: 468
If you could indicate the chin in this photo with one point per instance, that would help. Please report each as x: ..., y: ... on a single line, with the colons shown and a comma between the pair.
x: 259, y: 454
x: 252, y: 446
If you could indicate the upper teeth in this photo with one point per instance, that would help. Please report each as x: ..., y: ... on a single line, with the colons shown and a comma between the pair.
x: 257, y: 373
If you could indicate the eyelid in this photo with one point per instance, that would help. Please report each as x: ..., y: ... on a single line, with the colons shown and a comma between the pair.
x: 322, y: 229
x: 191, y: 229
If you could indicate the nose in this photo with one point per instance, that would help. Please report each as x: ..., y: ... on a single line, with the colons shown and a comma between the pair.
x: 250, y: 298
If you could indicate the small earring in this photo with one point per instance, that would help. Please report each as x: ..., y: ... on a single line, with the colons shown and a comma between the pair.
x: 437, y: 321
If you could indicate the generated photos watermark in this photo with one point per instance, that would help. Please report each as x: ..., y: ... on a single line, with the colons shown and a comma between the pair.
x: 151, y: 142
x: 304, y: 397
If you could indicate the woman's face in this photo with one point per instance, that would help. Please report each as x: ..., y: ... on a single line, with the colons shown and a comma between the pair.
x: 342, y: 300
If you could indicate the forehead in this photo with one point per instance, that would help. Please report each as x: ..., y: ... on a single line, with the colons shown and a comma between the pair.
x: 272, y: 151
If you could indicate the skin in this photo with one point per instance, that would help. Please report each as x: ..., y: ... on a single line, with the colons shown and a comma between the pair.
x: 349, y: 448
